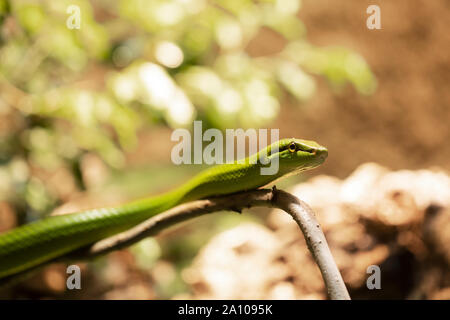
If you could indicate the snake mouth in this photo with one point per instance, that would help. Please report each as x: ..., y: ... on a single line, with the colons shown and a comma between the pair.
x: 311, y: 151
x: 321, y: 153
x: 318, y: 152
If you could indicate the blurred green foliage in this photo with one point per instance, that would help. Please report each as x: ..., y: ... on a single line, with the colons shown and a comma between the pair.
x: 134, y: 64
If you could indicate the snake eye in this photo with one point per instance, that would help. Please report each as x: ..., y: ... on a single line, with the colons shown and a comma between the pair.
x: 292, y: 147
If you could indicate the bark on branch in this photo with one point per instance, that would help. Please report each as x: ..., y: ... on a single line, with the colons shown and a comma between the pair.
x: 299, y: 210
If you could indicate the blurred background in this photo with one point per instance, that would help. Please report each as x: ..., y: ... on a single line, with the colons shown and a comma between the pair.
x: 86, y: 116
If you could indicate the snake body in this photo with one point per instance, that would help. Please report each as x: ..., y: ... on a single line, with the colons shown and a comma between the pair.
x: 33, y: 244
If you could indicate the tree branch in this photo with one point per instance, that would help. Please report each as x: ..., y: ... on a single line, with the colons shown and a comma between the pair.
x: 299, y: 210
x: 317, y: 244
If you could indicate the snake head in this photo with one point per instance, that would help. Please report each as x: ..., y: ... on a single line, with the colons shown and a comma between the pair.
x: 297, y: 154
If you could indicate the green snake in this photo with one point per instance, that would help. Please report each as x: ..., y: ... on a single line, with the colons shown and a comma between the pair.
x: 39, y: 242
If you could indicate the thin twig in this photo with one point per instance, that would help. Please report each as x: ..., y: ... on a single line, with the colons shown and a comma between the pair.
x: 317, y: 244
x: 299, y: 210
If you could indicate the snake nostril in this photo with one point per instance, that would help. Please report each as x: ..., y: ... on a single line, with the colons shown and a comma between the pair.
x: 322, y: 153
